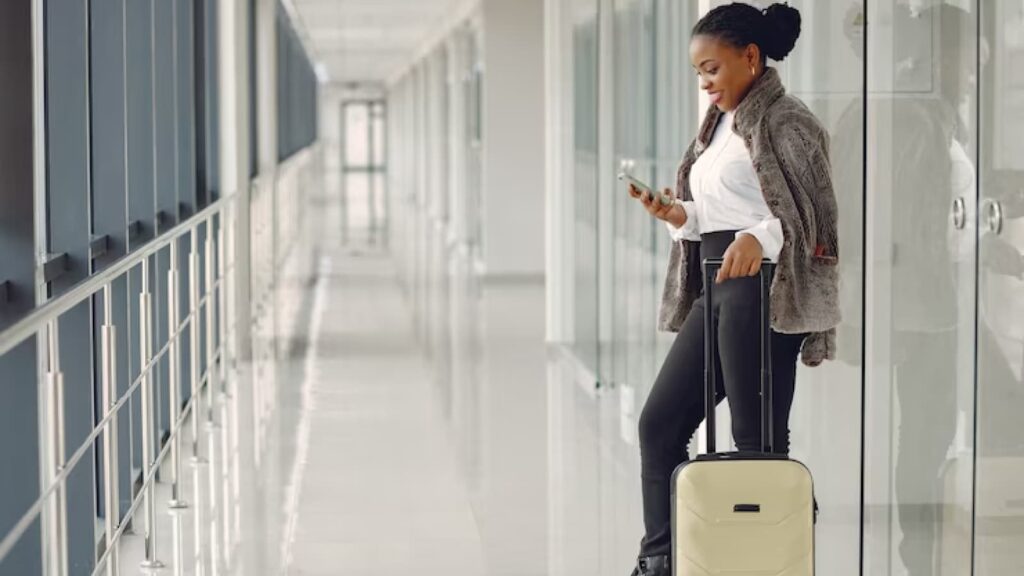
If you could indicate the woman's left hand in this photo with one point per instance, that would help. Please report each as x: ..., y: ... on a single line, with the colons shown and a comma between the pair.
x: 742, y: 258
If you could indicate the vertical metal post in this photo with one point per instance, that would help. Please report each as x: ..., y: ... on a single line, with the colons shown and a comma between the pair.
x: 343, y: 184
x: 54, y: 552
x: 222, y: 367
x: 56, y: 544
x: 198, y: 516
x: 198, y: 413
x: 385, y: 192
x: 148, y: 434
x: 213, y: 382
x: 212, y: 385
x: 111, y: 493
x: 371, y: 109
x: 221, y: 290
x: 226, y: 287
x: 176, y: 502
x: 177, y: 554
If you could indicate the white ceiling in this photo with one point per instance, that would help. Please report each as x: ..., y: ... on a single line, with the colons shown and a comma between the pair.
x: 368, y: 41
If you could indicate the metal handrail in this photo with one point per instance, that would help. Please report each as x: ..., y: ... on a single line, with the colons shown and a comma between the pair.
x: 26, y: 520
x: 41, y: 316
x: 201, y: 298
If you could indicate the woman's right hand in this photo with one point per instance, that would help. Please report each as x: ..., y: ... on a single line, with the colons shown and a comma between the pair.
x: 672, y: 213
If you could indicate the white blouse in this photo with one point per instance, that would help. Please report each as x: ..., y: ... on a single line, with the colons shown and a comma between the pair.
x: 727, y: 194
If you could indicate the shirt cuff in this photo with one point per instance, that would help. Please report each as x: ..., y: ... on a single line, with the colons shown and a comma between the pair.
x: 769, y: 233
x: 690, y: 230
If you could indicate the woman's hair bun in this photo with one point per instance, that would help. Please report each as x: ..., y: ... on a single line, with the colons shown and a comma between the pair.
x: 781, y: 32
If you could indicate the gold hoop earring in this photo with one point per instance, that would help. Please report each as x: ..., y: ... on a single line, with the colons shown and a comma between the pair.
x: 753, y: 72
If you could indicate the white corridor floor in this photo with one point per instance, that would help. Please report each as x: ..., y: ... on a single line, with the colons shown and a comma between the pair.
x: 380, y: 491
x: 367, y: 467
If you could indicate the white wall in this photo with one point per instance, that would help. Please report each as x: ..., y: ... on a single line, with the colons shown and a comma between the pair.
x: 513, y: 124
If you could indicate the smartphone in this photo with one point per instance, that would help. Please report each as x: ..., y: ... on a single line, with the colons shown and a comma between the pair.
x: 644, y: 188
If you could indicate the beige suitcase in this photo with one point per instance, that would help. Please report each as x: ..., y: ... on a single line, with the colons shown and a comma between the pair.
x: 738, y: 512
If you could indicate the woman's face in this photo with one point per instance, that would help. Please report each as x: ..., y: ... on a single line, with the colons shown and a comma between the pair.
x: 724, y: 70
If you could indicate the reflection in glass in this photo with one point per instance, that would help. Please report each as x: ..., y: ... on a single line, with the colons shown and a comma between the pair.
x: 999, y: 505
x: 924, y: 141
x: 628, y: 353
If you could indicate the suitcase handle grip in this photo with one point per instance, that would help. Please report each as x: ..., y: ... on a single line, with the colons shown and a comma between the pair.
x: 710, y: 265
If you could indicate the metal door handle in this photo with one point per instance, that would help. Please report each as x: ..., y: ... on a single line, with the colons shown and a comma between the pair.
x: 959, y: 213
x: 994, y: 216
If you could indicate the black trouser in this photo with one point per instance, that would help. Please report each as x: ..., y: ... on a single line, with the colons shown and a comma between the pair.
x: 675, y: 406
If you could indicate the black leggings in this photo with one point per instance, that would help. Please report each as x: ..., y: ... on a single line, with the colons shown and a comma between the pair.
x: 675, y: 406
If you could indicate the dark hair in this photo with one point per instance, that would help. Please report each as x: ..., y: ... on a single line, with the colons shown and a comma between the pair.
x: 774, y: 29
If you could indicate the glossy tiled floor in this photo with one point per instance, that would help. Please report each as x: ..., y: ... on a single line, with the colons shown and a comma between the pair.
x: 377, y: 489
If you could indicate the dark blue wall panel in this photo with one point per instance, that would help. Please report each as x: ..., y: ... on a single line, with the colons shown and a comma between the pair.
x: 68, y: 195
x: 165, y: 111
x: 18, y: 377
x: 139, y: 78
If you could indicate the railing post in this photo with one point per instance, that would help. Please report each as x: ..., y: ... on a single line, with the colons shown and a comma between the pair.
x: 198, y: 412
x: 223, y: 289
x: 173, y: 360
x: 56, y: 534
x: 148, y: 436
x: 108, y: 372
x: 213, y: 384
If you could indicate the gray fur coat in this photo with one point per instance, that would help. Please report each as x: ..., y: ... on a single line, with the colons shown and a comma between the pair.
x: 789, y: 148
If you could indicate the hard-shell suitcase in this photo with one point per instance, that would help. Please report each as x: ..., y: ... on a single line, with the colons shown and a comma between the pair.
x: 750, y: 513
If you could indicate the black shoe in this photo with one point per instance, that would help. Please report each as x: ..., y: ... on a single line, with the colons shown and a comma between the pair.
x: 653, y: 566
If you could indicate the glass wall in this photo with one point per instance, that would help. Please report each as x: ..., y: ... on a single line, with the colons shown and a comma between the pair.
x: 999, y: 443
x: 920, y: 310
x: 584, y: 242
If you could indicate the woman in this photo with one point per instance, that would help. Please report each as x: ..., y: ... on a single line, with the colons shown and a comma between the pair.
x: 754, y: 184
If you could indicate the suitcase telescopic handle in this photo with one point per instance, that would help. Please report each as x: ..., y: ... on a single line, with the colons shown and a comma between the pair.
x: 711, y: 265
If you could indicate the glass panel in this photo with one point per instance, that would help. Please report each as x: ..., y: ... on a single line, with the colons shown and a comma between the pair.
x: 999, y: 508
x: 675, y: 125
x: 632, y: 329
x: 585, y: 87
x: 377, y: 125
x: 357, y: 152
x: 474, y: 149
x: 628, y: 310
x: 921, y: 288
